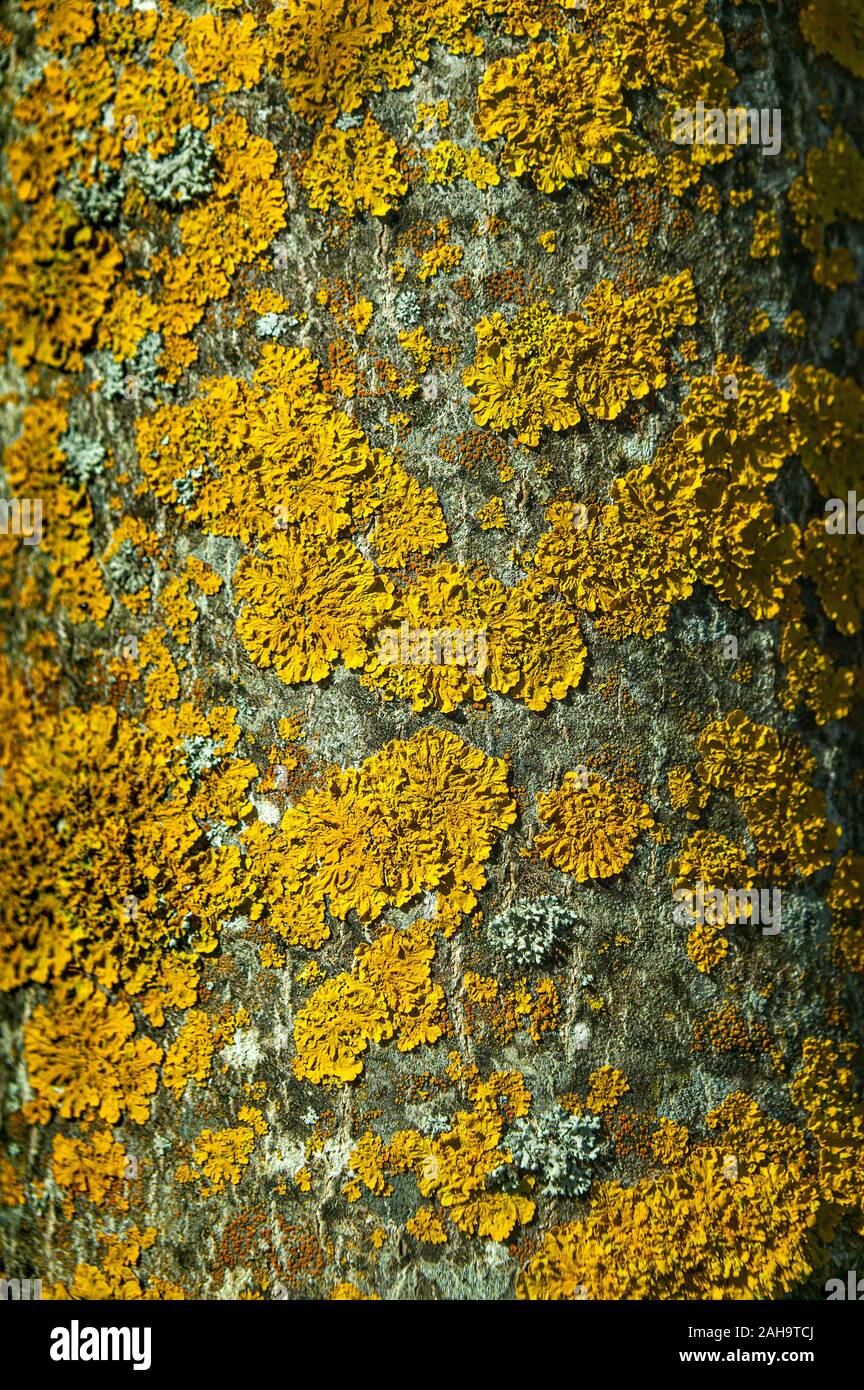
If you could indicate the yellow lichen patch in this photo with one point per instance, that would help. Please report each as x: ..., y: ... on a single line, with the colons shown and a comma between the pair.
x: 174, y: 598
x: 707, y: 947
x: 334, y: 1029
x: 128, y: 318
x: 64, y: 30
x: 206, y: 579
x: 308, y: 604
x: 434, y: 648
x: 34, y: 468
x: 179, y: 610
x: 828, y: 191
x: 419, y: 346
x: 685, y: 793
x: 699, y: 512
x: 47, y: 148
x: 669, y: 1142
x: 396, y: 966
x: 367, y: 1164
x: 409, y: 521
x: 707, y: 864
x: 84, y: 1060
x: 222, y: 1155
x: 421, y: 813
x: 544, y: 371
x: 537, y: 651
x: 391, y: 993
x: 218, y: 236
x: 709, y: 199
x: 766, y: 236
x: 317, y: 48
x: 692, y: 1233
x: 170, y: 982
x: 726, y: 1030
x: 455, y: 1167
x: 92, y: 1167
x: 12, y: 1193
x: 795, y: 325
x: 737, y: 754
x: 846, y: 901
x: 114, y: 812
x: 736, y: 424
x: 311, y: 597
x: 517, y: 1008
x: 190, y: 1056
x: 826, y: 1088
x: 479, y: 988
x: 446, y: 162
x: 590, y: 119
x: 619, y: 351
x: 331, y: 53
x: 749, y: 560
x: 118, y: 1277
x: 224, y: 51
x: 355, y: 169
x: 273, y: 456
x: 55, y: 286
x: 492, y: 516
x: 732, y: 441
x: 432, y: 113
x: 836, y: 29
x: 629, y: 562
x: 812, y: 678
x: 346, y: 1292
x: 771, y: 777
x: 606, y: 1086
x: 426, y: 1227
x: 591, y: 826
x: 712, y: 879
x: 835, y: 566
x: 152, y: 104
x: 829, y: 417
x: 442, y: 256
x: 673, y: 45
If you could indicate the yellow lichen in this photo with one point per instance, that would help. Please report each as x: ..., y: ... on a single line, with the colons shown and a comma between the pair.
x: 542, y: 370
x: 591, y: 826
x: 84, y: 1060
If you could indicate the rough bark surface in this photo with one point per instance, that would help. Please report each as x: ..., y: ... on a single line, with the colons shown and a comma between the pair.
x: 276, y: 1028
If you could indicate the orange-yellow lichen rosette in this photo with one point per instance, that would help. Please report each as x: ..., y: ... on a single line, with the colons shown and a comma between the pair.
x: 557, y: 110
x: 55, y: 285
x: 307, y: 603
x: 591, y: 826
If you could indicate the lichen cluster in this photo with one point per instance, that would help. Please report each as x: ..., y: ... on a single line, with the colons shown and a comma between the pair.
x: 432, y: 586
